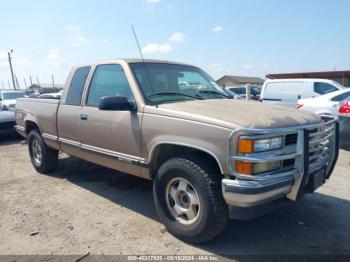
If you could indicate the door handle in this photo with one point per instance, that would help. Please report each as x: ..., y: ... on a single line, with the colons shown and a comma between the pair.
x: 83, y: 117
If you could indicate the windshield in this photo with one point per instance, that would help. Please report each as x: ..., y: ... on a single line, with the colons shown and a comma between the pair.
x: 337, y: 84
x: 14, y: 95
x: 166, y: 83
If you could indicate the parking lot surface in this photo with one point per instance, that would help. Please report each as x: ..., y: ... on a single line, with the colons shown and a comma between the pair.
x: 83, y: 208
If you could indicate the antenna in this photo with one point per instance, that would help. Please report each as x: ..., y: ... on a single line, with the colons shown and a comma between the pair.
x: 149, y: 79
x: 137, y: 42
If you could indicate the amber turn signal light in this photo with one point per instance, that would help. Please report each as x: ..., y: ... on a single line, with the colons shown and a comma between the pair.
x: 244, y: 168
x: 246, y: 146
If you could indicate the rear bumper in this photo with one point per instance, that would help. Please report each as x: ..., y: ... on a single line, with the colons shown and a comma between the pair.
x: 20, y: 130
x: 7, y: 131
x: 7, y: 128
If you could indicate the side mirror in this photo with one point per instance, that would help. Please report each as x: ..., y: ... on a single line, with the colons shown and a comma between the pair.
x: 117, y: 103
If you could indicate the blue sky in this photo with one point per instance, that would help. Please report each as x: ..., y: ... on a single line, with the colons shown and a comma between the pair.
x: 239, y: 37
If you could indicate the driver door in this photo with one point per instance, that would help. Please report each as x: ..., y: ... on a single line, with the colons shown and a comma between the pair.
x: 110, y: 138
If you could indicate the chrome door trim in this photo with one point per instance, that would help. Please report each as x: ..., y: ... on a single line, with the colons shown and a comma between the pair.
x: 69, y: 142
x: 125, y: 158
x: 49, y: 137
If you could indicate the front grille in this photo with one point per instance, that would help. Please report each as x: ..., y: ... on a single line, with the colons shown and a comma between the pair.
x: 291, y: 139
x: 288, y: 163
x: 7, y: 125
x: 320, y: 140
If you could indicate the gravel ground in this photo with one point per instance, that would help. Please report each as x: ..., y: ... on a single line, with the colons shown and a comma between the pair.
x: 84, y: 208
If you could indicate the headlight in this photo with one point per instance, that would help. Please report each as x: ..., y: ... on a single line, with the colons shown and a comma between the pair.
x: 268, y: 144
x: 248, y: 146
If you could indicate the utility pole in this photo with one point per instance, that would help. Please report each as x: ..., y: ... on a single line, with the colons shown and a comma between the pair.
x: 53, y: 81
x: 31, y: 81
x: 248, y: 91
x: 37, y: 80
x: 10, y: 61
x: 25, y: 83
x: 3, y: 85
x: 18, y: 87
x: 9, y: 84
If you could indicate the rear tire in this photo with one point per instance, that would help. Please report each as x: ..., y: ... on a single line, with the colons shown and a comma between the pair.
x: 44, y: 158
x: 193, y: 209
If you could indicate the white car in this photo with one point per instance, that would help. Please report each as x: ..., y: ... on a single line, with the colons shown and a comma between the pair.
x: 327, y: 104
x: 8, y: 99
x: 288, y: 91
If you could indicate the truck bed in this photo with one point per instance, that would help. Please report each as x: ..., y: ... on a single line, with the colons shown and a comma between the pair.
x: 42, y: 112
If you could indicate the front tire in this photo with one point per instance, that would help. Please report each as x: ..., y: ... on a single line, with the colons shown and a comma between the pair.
x: 44, y: 159
x: 188, y: 199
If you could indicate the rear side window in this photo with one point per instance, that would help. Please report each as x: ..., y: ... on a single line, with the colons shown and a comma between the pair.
x: 341, y: 97
x: 323, y: 88
x: 76, y: 87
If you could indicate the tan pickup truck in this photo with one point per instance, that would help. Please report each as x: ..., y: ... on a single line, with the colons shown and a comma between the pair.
x: 210, y: 157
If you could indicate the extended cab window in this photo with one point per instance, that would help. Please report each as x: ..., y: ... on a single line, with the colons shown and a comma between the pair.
x: 108, y: 80
x: 324, y: 88
x: 77, y: 86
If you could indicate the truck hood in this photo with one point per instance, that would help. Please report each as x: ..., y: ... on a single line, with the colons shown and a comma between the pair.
x: 235, y: 113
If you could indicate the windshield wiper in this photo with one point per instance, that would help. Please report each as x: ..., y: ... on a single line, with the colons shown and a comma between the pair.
x: 214, y: 92
x: 173, y: 94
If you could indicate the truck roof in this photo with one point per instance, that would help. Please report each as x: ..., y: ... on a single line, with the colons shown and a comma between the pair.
x: 131, y: 60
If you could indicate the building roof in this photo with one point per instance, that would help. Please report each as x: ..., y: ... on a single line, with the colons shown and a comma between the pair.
x: 244, y: 79
x: 325, y: 74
